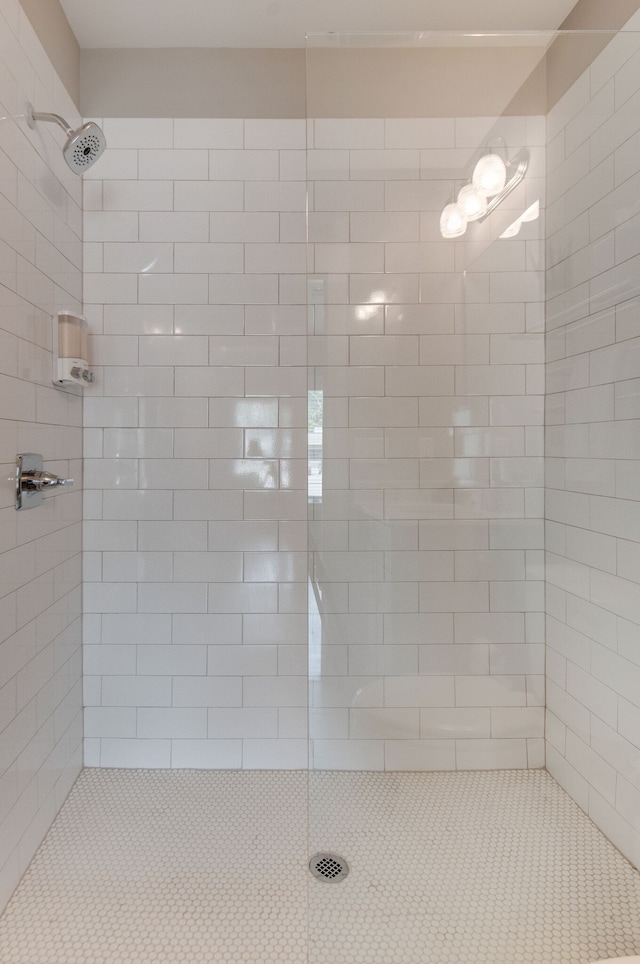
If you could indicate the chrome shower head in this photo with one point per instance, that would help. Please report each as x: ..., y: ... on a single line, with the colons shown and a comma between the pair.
x: 83, y: 147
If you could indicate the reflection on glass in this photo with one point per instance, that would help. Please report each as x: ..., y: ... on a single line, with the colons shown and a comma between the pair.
x: 314, y: 446
x: 531, y: 214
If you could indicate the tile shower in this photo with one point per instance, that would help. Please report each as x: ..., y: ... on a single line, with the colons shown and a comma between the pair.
x: 213, y: 323
x: 430, y: 526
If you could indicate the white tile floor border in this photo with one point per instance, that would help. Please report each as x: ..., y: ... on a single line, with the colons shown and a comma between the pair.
x: 193, y: 866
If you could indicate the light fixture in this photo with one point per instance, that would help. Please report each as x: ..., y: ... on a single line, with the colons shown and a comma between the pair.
x: 453, y: 222
x: 489, y: 175
x: 471, y: 202
x: 492, y: 181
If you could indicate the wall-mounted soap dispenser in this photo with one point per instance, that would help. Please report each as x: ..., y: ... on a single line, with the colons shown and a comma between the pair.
x: 70, y: 351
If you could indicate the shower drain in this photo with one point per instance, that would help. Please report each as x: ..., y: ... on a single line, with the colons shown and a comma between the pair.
x: 328, y: 866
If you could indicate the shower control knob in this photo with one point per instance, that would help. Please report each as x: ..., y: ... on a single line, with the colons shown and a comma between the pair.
x: 41, y: 480
x: 32, y: 480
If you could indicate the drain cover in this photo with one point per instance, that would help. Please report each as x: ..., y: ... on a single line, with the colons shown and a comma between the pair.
x: 328, y: 866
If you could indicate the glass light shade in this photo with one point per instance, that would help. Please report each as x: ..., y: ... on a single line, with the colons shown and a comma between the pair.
x: 489, y: 175
x: 453, y: 222
x: 472, y: 202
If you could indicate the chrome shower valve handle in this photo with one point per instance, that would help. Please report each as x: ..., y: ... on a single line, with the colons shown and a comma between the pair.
x: 38, y: 480
x: 32, y: 480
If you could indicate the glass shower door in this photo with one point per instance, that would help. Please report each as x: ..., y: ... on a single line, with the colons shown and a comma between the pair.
x: 426, y: 385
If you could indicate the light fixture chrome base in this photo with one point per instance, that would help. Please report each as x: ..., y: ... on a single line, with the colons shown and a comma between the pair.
x: 516, y: 170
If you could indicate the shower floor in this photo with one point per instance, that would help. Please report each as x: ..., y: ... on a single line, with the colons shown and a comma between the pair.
x: 205, y: 866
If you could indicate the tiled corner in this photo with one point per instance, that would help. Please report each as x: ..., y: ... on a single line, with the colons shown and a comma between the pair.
x: 593, y: 512
x: 40, y: 571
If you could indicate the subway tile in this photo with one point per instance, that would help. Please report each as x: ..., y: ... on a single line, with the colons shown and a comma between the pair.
x: 135, y: 753
x: 241, y: 722
x: 110, y: 289
x: 361, y: 134
x: 450, y: 660
x: 454, y: 597
x: 275, y: 258
x: 383, y: 226
x: 137, y: 195
x: 205, y: 196
x: 349, y: 196
x: 201, y: 754
x: 111, y: 660
x: 293, y: 167
x: 200, y: 258
x: 137, y: 566
x: 172, y: 536
x: 195, y: 567
x: 242, y: 660
x: 419, y: 132
x: 406, y: 195
x: 239, y: 227
x: 243, y: 165
x: 332, y: 226
x: 384, y: 165
x: 455, y: 723
x: 110, y: 722
x: 275, y: 196
x: 116, y: 597
x: 137, y: 381
x: 185, y: 164
x: 120, y: 506
x: 172, y: 722
x: 171, y: 598
x: 274, y: 691
x: 208, y: 133
x: 491, y: 754
x: 384, y: 724
x: 232, y: 289
x: 490, y: 379
x: 110, y: 226
x: 189, y: 225
x: 174, y: 288
x: 223, y: 628
x: 348, y: 754
x: 280, y: 754
x: 131, y: 443
x: 138, y: 319
x: 136, y: 691
x: 274, y: 134
x: 139, y: 133
x: 422, y: 691
x: 114, y: 535
x: 245, y: 598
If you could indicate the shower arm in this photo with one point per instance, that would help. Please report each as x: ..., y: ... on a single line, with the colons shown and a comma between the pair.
x: 33, y: 116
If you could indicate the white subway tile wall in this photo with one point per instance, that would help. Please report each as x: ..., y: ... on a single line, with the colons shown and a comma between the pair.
x: 40, y: 561
x: 593, y: 456
x: 196, y: 450
x: 426, y: 632
x: 196, y: 435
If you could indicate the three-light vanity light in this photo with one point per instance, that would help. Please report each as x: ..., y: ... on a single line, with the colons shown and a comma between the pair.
x: 493, y: 179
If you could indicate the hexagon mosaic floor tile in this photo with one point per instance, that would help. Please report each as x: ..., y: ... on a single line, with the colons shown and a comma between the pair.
x: 150, y: 866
